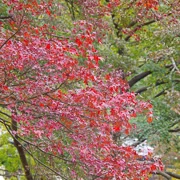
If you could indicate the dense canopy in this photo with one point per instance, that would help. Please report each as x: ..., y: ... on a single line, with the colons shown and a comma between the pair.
x: 78, y: 78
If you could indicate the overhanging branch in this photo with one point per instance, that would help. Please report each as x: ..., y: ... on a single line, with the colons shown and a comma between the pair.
x: 145, y: 88
x: 5, y: 17
x: 167, y: 176
x: 137, y: 78
x: 177, y: 176
x: 160, y: 93
x: 174, y: 130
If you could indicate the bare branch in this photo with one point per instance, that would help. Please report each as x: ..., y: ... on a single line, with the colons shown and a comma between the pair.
x: 161, y: 93
x: 177, y: 176
x: 167, y: 176
x: 174, y: 130
x: 6, y: 17
x: 145, y: 88
x: 137, y: 78
x: 139, y: 91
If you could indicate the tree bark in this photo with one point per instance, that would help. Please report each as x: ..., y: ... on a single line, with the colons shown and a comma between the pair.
x: 137, y: 78
x: 177, y: 176
x: 168, y: 177
x: 21, y: 152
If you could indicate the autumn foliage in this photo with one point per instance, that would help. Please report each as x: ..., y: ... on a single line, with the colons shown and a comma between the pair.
x: 63, y: 103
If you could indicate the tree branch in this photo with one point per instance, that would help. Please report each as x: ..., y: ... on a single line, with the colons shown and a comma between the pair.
x: 142, y: 25
x: 174, y: 130
x: 177, y: 176
x: 137, y: 78
x: 137, y: 28
x: 9, y: 38
x: 174, y: 123
x: 20, y: 151
x: 161, y: 93
x: 145, y: 88
x: 139, y: 91
x: 167, y: 176
x: 19, y: 28
x: 5, y: 17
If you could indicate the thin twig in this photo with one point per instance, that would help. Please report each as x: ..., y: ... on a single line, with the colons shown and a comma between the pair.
x: 9, y: 38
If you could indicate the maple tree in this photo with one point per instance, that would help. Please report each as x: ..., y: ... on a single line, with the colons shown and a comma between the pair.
x: 59, y: 101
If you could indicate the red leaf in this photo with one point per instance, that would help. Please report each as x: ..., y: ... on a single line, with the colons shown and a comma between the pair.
x: 96, y: 58
x: 133, y: 114
x: 117, y: 127
x: 41, y: 104
x: 92, y: 123
x: 153, y: 167
x: 26, y: 42
x: 5, y: 88
x: 78, y: 42
x: 48, y: 46
x: 26, y: 34
x: 107, y: 77
x: 126, y: 131
x: 150, y: 106
x: 149, y: 119
x: 48, y: 12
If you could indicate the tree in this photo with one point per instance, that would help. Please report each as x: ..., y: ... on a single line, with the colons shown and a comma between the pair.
x: 147, y: 39
x: 60, y: 105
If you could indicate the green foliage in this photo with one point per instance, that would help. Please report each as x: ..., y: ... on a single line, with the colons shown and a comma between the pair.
x: 9, y: 158
x: 3, y: 9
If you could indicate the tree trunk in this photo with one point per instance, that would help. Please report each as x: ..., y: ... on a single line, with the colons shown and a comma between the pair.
x: 21, y: 153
